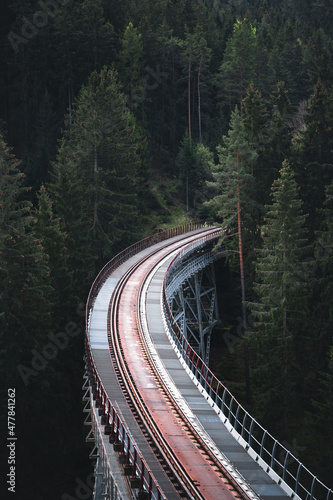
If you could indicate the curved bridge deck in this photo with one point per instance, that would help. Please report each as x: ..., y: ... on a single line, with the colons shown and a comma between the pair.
x: 192, y: 401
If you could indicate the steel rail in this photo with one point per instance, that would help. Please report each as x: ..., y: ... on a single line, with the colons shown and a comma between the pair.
x: 109, y: 416
x: 283, y: 467
x: 141, y: 408
x: 152, y: 429
x: 244, y: 489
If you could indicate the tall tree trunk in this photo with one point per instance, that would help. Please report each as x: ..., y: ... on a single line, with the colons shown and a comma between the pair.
x: 199, y: 102
x: 95, y: 198
x: 189, y: 98
x: 284, y: 340
x: 241, y: 264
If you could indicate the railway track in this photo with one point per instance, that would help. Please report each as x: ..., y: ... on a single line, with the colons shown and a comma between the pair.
x: 179, y: 447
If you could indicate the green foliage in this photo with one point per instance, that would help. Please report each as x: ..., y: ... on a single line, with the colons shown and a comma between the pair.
x: 131, y: 66
x: 184, y: 65
x: 195, y: 162
x: 281, y: 285
x: 313, y: 145
x: 239, y: 62
x: 233, y: 170
x: 97, y: 173
x: 24, y: 270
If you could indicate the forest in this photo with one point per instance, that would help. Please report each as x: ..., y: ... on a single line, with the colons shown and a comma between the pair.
x: 118, y: 119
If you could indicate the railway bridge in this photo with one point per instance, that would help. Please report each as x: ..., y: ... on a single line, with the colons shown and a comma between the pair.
x: 163, y: 426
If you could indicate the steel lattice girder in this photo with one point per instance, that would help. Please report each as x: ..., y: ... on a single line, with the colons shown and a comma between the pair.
x: 191, y: 291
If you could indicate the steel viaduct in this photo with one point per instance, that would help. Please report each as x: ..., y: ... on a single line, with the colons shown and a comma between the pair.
x: 163, y: 426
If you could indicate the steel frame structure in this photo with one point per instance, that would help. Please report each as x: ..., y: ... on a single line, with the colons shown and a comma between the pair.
x: 191, y: 291
x: 272, y: 456
x: 105, y: 485
x: 281, y: 465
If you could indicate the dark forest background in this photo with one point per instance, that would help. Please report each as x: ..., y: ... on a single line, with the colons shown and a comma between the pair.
x: 118, y: 119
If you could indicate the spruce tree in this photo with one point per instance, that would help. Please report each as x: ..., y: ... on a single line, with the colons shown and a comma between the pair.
x: 238, y: 67
x: 131, y: 67
x: 313, y: 146
x: 25, y: 304
x: 281, y: 288
x: 48, y: 230
x: 24, y: 269
x: 278, y: 142
x: 97, y: 175
x: 234, y: 203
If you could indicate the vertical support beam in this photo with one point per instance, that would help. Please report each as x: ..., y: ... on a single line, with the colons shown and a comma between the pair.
x: 194, y: 304
x: 197, y: 282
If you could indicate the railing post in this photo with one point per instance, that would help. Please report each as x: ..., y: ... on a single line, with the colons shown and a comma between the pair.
x: 297, y: 478
x: 230, y: 408
x: 236, y: 417
x: 223, y: 400
x: 243, y: 424
x: 313, y: 487
x: 250, y: 433
x: 262, y: 443
x: 285, y: 464
x: 273, y: 454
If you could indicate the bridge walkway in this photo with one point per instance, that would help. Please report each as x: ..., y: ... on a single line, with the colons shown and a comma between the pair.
x: 254, y: 475
x: 100, y: 349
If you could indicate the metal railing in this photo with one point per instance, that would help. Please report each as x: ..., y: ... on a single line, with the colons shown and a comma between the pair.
x: 134, y: 464
x: 283, y: 467
x: 105, y: 484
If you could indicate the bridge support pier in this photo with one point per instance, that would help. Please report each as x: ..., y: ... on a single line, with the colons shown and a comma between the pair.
x: 194, y: 305
x: 105, y: 487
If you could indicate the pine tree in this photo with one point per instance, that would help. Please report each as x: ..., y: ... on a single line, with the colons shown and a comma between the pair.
x: 278, y: 143
x: 254, y: 118
x: 281, y: 288
x: 23, y: 262
x: 131, y: 67
x: 313, y: 152
x: 318, y: 57
x: 238, y: 67
x: 48, y: 230
x: 234, y: 201
x: 194, y: 161
x: 97, y: 173
x: 196, y: 56
x: 25, y: 297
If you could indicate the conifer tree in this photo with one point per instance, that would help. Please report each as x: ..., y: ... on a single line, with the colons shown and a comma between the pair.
x: 277, y: 147
x: 196, y: 55
x: 238, y: 67
x: 131, y: 66
x: 281, y: 288
x: 322, y: 303
x: 254, y: 118
x: 24, y: 267
x: 313, y: 152
x: 97, y: 170
x: 48, y: 230
x: 194, y: 162
x: 234, y: 200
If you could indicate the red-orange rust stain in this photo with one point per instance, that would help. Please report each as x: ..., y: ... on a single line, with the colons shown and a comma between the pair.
x: 202, y: 473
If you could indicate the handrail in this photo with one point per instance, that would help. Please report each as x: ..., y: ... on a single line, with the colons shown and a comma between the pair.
x: 141, y: 476
x: 284, y: 468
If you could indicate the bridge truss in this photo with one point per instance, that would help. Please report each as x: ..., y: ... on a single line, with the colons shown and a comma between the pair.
x: 189, y: 313
x: 192, y: 297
